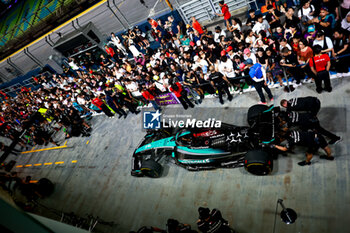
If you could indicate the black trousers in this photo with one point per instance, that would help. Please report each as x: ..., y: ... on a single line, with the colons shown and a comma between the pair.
x: 342, y: 65
x: 223, y: 88
x: 185, y: 101
x: 315, y: 125
x: 130, y: 106
x: 119, y: 111
x: 258, y: 87
x: 106, y: 110
x: 323, y: 76
x: 297, y: 74
x: 308, y: 71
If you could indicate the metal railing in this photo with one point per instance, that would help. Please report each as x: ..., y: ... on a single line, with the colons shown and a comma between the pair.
x: 205, y: 9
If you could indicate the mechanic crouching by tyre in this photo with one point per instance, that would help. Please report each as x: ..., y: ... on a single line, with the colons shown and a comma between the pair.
x: 305, y: 104
x: 212, y: 221
x: 307, y: 121
x: 313, y: 141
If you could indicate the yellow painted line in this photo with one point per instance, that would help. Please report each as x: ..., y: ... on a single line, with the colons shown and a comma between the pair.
x: 74, y: 161
x: 37, y: 164
x: 65, y: 23
x: 33, y: 148
x: 65, y: 143
x: 87, y: 142
x: 19, y: 166
x: 47, y: 163
x: 28, y: 165
x: 45, y: 149
x: 60, y: 162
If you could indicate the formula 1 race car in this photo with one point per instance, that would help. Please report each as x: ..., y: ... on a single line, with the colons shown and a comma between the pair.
x: 196, y: 149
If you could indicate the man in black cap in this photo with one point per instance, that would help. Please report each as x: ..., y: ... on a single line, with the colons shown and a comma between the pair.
x: 307, y: 104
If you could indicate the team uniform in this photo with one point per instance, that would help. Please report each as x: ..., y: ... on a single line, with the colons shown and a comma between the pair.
x: 307, y: 104
x: 308, y: 121
x: 310, y: 139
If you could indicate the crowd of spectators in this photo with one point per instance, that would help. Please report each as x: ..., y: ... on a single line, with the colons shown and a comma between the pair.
x: 191, y: 61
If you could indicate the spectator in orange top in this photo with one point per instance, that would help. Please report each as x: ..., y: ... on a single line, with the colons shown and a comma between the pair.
x: 226, y: 13
x: 196, y: 26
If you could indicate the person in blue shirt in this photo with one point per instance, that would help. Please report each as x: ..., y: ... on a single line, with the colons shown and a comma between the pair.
x: 259, y: 80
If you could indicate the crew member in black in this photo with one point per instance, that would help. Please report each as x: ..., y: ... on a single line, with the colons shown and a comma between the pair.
x: 212, y: 221
x: 307, y: 121
x: 220, y: 83
x: 308, y: 104
x: 313, y: 141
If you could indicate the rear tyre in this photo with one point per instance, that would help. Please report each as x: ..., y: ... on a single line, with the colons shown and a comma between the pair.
x: 151, y: 168
x: 258, y: 162
x: 254, y: 111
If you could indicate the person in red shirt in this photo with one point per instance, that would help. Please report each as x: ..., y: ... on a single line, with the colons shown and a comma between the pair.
x: 181, y: 94
x: 196, y: 26
x: 226, y: 13
x: 110, y: 52
x: 97, y: 101
x: 149, y: 97
x: 320, y: 65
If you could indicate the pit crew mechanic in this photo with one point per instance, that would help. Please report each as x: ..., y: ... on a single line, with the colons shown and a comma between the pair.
x: 306, y: 121
x: 308, y: 104
x: 310, y: 139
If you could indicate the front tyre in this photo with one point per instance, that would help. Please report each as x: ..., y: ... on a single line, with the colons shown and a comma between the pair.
x: 151, y: 168
x: 258, y: 162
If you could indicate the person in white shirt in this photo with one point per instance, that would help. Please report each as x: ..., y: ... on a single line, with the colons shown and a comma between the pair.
x: 261, y: 24
x: 250, y: 38
x: 116, y: 41
x: 249, y: 54
x: 235, y: 25
x: 325, y: 43
x: 218, y: 32
x: 306, y: 12
x: 226, y: 67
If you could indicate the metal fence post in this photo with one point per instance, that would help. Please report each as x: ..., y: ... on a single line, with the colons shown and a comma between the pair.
x: 212, y: 6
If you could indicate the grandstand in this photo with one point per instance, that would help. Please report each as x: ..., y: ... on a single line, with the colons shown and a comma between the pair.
x: 28, y: 20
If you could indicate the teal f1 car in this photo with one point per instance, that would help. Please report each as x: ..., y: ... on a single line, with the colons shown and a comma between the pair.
x: 196, y: 149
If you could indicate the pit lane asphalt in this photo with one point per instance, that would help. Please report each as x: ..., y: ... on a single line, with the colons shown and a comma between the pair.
x: 99, y: 182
